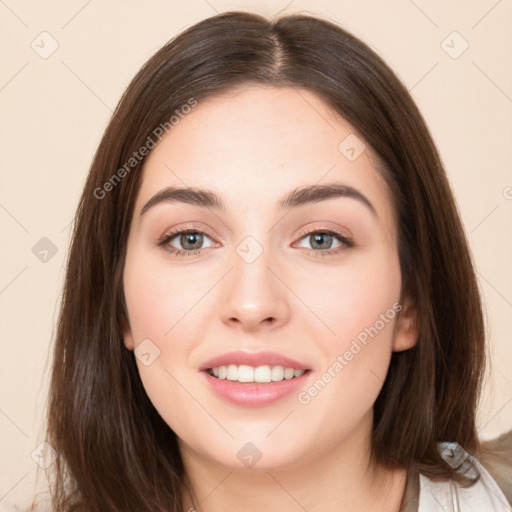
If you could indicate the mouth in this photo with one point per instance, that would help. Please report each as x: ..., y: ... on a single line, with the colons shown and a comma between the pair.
x: 254, y: 379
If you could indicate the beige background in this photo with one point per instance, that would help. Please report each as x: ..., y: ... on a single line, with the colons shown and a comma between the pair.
x: 54, y: 111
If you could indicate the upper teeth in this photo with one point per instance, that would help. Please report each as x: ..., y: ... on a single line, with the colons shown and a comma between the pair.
x: 244, y: 373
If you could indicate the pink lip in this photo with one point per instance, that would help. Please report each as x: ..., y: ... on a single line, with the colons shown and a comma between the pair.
x: 253, y: 394
x: 253, y: 359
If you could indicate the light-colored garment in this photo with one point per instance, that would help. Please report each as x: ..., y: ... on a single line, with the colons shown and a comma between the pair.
x: 425, y: 495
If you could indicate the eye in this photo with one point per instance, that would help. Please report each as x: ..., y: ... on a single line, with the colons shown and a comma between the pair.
x: 321, y: 242
x: 190, y: 241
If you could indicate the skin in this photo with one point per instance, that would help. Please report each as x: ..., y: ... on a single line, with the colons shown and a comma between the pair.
x: 252, y: 147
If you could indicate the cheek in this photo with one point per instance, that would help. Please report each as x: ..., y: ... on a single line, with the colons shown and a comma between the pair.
x: 351, y: 299
x: 171, y: 308
x: 361, y: 310
x: 160, y: 300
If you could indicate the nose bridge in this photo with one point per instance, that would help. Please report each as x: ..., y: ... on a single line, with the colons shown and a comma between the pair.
x: 253, y: 293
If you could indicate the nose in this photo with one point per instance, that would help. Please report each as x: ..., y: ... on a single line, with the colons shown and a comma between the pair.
x: 254, y: 296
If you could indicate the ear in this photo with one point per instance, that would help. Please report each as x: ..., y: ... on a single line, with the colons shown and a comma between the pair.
x: 128, y: 339
x: 406, y: 327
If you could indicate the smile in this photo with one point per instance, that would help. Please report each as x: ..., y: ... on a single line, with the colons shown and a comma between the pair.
x: 254, y: 379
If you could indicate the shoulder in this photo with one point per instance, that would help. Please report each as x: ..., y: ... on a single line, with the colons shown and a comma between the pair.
x: 483, y: 495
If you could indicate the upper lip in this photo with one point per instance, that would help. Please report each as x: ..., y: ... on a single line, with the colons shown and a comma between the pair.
x: 253, y: 359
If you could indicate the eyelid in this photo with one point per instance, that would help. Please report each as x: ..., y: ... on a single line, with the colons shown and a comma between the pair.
x: 189, y: 228
x: 325, y: 227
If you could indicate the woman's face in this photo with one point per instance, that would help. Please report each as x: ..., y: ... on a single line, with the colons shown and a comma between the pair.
x: 257, y: 291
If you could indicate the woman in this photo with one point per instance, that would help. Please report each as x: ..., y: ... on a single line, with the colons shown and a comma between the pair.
x: 269, y: 300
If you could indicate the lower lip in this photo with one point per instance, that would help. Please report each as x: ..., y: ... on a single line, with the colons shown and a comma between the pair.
x: 254, y: 394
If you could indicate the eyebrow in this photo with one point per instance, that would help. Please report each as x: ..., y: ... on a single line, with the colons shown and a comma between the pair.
x: 300, y: 196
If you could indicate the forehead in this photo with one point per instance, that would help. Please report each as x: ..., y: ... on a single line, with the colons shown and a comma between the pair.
x: 254, y: 144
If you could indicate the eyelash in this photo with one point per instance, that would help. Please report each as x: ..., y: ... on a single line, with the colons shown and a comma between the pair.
x: 348, y: 243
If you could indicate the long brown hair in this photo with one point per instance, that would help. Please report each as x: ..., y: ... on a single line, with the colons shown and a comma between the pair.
x: 115, y: 451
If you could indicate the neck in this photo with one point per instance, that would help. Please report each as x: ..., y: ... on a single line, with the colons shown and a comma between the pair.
x: 344, y: 477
